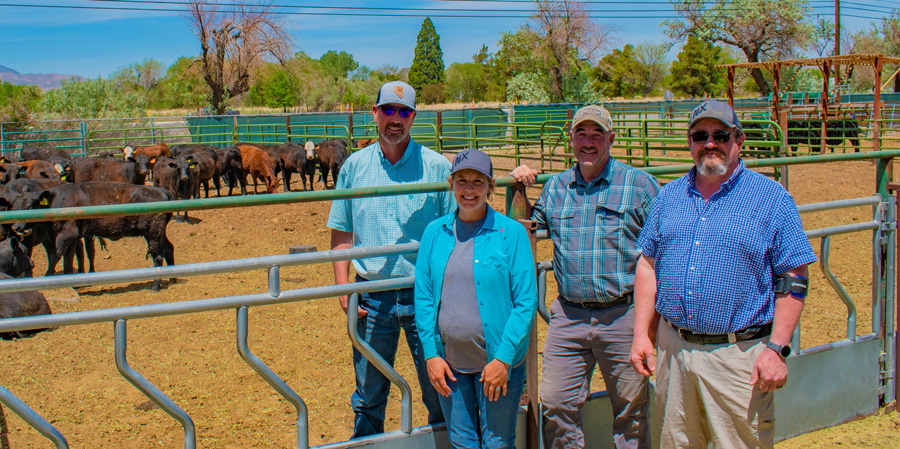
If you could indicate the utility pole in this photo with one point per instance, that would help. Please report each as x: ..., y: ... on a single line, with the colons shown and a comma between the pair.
x: 837, y: 39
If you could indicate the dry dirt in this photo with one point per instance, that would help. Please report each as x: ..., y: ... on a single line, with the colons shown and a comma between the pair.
x: 69, y: 375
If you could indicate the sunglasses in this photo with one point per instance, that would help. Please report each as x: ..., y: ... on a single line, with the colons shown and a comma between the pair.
x: 389, y: 110
x: 718, y: 136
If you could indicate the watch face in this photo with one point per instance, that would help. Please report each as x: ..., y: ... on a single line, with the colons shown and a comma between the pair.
x: 785, y: 351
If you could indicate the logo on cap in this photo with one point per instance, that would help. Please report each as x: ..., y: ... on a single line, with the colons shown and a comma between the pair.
x: 461, y: 157
x: 398, y: 89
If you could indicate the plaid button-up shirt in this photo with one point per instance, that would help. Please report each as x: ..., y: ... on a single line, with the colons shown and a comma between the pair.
x: 716, y: 260
x: 594, y: 226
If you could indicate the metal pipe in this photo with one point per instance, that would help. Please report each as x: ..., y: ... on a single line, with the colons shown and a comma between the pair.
x: 198, y: 305
x: 542, y: 269
x: 150, y: 390
x: 33, y: 418
x: 274, y: 281
x: 203, y: 268
x: 376, y: 360
x: 825, y: 266
x: 890, y: 336
x: 842, y: 229
x: 839, y: 204
x: 266, y: 373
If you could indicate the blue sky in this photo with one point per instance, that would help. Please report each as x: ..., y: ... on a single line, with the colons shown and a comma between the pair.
x: 91, y: 43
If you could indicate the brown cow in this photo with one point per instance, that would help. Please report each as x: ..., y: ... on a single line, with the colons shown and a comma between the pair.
x: 41, y: 169
x: 153, y: 151
x: 332, y: 154
x: 258, y: 164
x: 362, y: 143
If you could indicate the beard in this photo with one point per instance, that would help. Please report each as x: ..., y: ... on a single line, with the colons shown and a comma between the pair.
x: 712, y: 166
x: 394, y: 138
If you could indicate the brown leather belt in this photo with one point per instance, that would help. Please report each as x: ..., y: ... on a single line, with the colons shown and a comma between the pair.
x: 627, y: 299
x: 719, y: 339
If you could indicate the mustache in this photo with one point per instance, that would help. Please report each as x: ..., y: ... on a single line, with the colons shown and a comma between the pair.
x: 712, y: 150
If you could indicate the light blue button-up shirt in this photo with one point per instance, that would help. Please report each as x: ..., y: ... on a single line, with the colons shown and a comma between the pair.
x: 394, y: 219
x: 505, y: 285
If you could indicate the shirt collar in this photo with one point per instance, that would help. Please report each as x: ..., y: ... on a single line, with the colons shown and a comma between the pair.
x: 411, y: 148
x: 490, y: 220
x: 605, y: 175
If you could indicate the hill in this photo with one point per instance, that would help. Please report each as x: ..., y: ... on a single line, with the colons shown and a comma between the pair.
x: 43, y: 80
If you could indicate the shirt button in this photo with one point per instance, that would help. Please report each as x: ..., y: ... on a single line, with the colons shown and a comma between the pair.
x: 696, y: 243
x: 692, y: 268
x: 702, y: 218
x: 476, y: 260
x: 690, y: 292
x: 691, y: 316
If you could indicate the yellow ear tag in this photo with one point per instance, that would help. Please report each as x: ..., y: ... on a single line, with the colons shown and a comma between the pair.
x: 193, y: 166
x: 44, y: 202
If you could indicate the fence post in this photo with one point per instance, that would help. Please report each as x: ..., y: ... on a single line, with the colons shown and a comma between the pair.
x: 439, y: 134
x: 517, y: 207
x: 287, y: 127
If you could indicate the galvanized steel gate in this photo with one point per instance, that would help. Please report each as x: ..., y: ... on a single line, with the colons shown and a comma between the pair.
x: 829, y: 384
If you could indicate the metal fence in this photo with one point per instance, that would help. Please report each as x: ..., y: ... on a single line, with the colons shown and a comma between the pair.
x: 830, y: 384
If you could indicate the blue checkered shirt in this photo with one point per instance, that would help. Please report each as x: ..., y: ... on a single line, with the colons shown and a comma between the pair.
x: 387, y: 220
x: 594, y: 226
x: 715, y: 260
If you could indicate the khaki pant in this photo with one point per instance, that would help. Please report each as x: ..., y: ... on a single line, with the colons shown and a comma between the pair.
x: 704, y: 395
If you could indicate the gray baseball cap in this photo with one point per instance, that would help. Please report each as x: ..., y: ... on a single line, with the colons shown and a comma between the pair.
x: 473, y: 160
x: 593, y: 113
x: 397, y: 92
x: 717, y: 110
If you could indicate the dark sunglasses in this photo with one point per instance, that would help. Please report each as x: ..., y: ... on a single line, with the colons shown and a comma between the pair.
x: 389, y: 110
x: 718, y: 136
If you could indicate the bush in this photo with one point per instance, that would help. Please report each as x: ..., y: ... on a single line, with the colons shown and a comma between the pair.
x: 432, y: 93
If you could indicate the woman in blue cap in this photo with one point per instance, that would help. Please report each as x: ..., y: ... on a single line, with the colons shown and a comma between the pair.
x: 475, y: 298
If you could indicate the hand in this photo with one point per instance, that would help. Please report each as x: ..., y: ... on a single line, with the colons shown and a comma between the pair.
x: 438, y: 373
x: 494, y: 377
x: 359, y: 313
x: 769, y: 371
x: 642, y: 356
x: 524, y: 174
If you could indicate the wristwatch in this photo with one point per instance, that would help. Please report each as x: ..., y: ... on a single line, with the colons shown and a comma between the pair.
x: 783, y: 351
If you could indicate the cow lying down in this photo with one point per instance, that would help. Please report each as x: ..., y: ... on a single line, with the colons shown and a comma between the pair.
x: 14, y: 262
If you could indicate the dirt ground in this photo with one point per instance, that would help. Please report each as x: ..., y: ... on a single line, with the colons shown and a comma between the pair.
x: 69, y: 375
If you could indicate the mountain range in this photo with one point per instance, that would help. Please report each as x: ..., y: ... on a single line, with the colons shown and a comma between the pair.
x: 43, y: 80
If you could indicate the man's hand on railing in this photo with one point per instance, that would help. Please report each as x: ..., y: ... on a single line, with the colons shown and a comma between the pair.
x: 359, y: 313
x: 525, y: 174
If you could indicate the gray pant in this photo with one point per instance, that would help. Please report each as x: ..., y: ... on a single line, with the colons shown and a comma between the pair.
x: 578, y: 340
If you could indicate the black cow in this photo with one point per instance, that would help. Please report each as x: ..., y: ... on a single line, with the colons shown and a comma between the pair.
x: 27, y: 194
x: 20, y: 304
x: 30, y: 153
x: 133, y: 171
x: 11, y: 171
x: 14, y: 258
x: 297, y: 159
x: 332, y: 154
x: 231, y: 168
x: 204, y: 167
x: 174, y: 175
x: 151, y: 227
x: 188, y: 148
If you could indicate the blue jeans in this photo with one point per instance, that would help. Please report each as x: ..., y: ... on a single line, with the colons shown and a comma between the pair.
x: 473, y: 421
x: 388, y: 312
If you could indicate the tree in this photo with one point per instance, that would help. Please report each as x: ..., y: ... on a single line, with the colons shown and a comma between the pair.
x: 759, y: 28
x: 466, y: 81
x: 694, y: 72
x: 98, y: 98
x: 527, y: 87
x: 338, y: 65
x: 654, y: 65
x: 16, y: 105
x: 568, y: 38
x: 182, y: 87
x: 617, y: 74
x: 822, y: 37
x: 428, y: 62
x: 234, y: 42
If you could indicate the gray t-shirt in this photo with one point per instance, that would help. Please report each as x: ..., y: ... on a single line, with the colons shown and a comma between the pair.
x: 459, y: 318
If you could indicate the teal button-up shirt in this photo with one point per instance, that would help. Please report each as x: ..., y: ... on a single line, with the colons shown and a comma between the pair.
x: 505, y: 285
x: 387, y: 220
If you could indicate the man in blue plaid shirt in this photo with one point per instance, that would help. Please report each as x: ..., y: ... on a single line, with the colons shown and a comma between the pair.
x: 594, y: 213
x: 724, y: 263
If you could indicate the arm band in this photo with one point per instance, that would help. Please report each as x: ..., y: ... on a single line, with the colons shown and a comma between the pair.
x: 797, y: 286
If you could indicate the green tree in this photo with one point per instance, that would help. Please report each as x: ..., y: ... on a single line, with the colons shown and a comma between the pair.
x: 98, y: 98
x: 528, y: 88
x: 618, y: 74
x: 428, y: 62
x: 338, y: 65
x: 761, y: 29
x: 17, y: 103
x: 694, y: 72
x: 182, y: 86
x: 466, y: 81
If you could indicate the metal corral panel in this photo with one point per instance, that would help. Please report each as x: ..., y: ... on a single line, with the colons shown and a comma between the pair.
x: 419, y: 438
x: 829, y: 386
x: 598, y: 418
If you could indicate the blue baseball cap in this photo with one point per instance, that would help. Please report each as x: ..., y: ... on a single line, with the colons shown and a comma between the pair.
x: 397, y: 92
x: 473, y: 160
x: 717, y: 110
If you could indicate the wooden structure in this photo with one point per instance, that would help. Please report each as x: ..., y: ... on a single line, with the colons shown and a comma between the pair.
x: 827, y: 65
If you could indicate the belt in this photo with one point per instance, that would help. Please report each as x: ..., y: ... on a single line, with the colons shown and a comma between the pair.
x: 718, y: 339
x: 626, y: 299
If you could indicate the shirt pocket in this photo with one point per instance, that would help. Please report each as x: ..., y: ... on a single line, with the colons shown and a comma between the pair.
x: 561, y: 219
x: 610, y: 219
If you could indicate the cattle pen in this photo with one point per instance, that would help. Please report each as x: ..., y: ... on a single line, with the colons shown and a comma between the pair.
x: 832, y: 380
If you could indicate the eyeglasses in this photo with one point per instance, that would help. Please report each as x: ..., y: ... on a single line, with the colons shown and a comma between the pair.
x: 718, y: 136
x: 389, y: 110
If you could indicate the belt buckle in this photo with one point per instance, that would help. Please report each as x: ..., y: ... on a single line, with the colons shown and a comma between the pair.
x: 732, y: 338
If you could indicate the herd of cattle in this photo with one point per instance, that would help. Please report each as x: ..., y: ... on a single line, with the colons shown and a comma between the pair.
x: 47, y: 177
x: 809, y: 133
